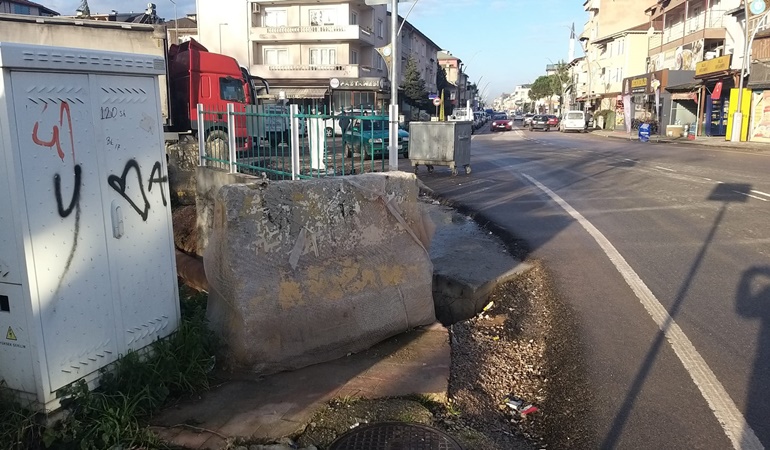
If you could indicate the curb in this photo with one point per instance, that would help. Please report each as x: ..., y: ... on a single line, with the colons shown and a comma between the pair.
x: 684, y: 142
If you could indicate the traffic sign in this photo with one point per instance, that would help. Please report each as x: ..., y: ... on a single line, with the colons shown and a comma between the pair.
x: 432, y: 96
x: 436, y: 101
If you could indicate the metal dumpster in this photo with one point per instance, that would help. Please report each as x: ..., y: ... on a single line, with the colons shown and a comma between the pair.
x: 440, y: 144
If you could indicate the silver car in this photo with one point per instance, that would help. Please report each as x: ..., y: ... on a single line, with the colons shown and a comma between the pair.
x: 528, y: 119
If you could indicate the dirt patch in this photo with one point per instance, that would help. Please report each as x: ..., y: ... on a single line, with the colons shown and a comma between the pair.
x: 525, y: 345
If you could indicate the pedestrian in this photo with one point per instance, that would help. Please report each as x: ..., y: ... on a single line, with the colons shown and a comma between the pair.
x: 344, y: 120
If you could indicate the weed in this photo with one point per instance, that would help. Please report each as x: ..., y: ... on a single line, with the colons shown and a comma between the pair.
x: 19, y: 429
x: 130, y: 391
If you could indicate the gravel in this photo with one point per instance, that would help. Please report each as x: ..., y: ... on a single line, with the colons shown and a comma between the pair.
x: 524, y: 345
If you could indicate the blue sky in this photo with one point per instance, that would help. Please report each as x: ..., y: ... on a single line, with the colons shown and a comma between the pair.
x: 507, y: 42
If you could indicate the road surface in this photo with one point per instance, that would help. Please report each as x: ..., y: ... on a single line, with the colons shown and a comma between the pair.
x: 662, y: 252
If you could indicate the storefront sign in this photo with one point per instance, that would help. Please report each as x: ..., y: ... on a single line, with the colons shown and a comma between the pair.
x: 639, y: 85
x: 720, y: 64
x: 363, y: 84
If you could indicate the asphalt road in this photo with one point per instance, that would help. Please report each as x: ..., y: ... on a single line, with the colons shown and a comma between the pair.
x: 662, y: 252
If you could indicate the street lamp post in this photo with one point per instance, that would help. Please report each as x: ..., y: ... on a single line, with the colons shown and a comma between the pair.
x: 394, y: 82
x: 176, y: 24
x: 220, y: 36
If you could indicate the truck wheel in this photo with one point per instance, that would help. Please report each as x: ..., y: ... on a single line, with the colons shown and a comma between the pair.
x: 329, y: 132
x: 217, y: 144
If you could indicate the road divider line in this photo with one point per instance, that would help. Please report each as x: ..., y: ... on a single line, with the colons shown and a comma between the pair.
x: 665, y: 168
x: 730, y: 418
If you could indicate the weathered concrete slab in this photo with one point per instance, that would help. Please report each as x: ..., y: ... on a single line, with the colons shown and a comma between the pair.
x: 468, y: 263
x: 415, y: 362
x: 305, y: 272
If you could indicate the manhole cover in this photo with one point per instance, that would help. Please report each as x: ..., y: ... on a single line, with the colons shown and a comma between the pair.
x: 395, y: 436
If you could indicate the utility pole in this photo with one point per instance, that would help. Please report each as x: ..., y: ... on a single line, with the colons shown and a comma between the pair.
x: 394, y: 82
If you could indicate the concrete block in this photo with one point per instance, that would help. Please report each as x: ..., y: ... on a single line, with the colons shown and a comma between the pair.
x: 305, y: 272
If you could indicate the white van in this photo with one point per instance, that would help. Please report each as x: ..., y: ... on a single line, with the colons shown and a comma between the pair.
x: 573, y: 121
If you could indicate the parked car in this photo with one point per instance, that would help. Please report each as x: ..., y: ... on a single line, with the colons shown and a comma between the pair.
x: 574, y: 121
x: 539, y: 122
x: 370, y: 138
x: 553, y: 121
x: 501, y: 122
x: 518, y: 117
x: 527, y: 119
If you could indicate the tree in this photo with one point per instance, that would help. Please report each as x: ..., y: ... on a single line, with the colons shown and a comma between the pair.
x: 441, y: 82
x: 542, y: 87
x: 414, y: 85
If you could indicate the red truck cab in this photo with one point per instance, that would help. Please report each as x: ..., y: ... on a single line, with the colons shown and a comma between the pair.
x: 211, y: 79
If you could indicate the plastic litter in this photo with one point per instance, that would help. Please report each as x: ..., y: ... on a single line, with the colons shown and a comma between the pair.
x: 519, y: 405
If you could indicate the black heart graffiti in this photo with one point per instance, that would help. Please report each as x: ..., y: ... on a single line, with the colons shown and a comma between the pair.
x: 119, y: 184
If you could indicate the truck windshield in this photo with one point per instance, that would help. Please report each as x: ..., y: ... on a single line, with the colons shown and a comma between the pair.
x: 231, y: 90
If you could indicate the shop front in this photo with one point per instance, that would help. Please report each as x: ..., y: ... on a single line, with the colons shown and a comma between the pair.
x: 360, y: 93
x: 759, y: 83
x: 718, y: 80
x: 650, y: 101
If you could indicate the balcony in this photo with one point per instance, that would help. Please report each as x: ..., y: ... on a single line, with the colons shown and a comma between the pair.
x: 709, y: 24
x: 305, y: 71
x: 333, y: 33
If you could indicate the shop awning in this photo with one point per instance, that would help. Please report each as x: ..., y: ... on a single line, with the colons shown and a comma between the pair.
x: 316, y: 92
x: 686, y: 87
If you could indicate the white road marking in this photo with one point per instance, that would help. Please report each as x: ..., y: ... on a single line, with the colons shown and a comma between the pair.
x: 631, y: 160
x: 709, y: 179
x: 760, y: 193
x: 752, y: 196
x: 665, y: 168
x: 733, y: 423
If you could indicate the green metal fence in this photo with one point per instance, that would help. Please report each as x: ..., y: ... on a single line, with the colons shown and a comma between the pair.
x: 292, y: 142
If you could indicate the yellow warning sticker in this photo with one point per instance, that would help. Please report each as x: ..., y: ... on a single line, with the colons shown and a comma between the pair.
x: 10, y: 335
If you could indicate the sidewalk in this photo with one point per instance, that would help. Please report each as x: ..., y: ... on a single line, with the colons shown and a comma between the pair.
x: 709, y: 141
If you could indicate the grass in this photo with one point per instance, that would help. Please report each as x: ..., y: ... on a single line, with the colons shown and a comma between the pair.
x: 114, y: 415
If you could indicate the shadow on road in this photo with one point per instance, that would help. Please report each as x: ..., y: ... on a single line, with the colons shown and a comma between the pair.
x: 753, y: 301
x: 725, y: 193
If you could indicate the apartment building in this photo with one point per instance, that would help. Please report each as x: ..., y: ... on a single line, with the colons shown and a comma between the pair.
x: 416, y: 45
x: 307, y: 50
x: 605, y: 39
x: 25, y: 7
x: 182, y: 29
x: 694, y: 32
x: 615, y: 57
x: 313, y: 50
x: 458, y: 94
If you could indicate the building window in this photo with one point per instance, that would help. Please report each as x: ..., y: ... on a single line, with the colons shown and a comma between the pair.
x: 377, y: 61
x: 353, y: 57
x: 353, y: 18
x: 276, y: 56
x: 21, y: 9
x: 380, y: 28
x: 319, y: 17
x: 275, y: 18
x: 323, y: 56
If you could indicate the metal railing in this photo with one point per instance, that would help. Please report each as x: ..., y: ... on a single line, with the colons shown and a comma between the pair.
x: 289, y: 142
x: 713, y: 18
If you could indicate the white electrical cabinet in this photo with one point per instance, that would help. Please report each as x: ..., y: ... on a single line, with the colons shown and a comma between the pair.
x: 87, y: 268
